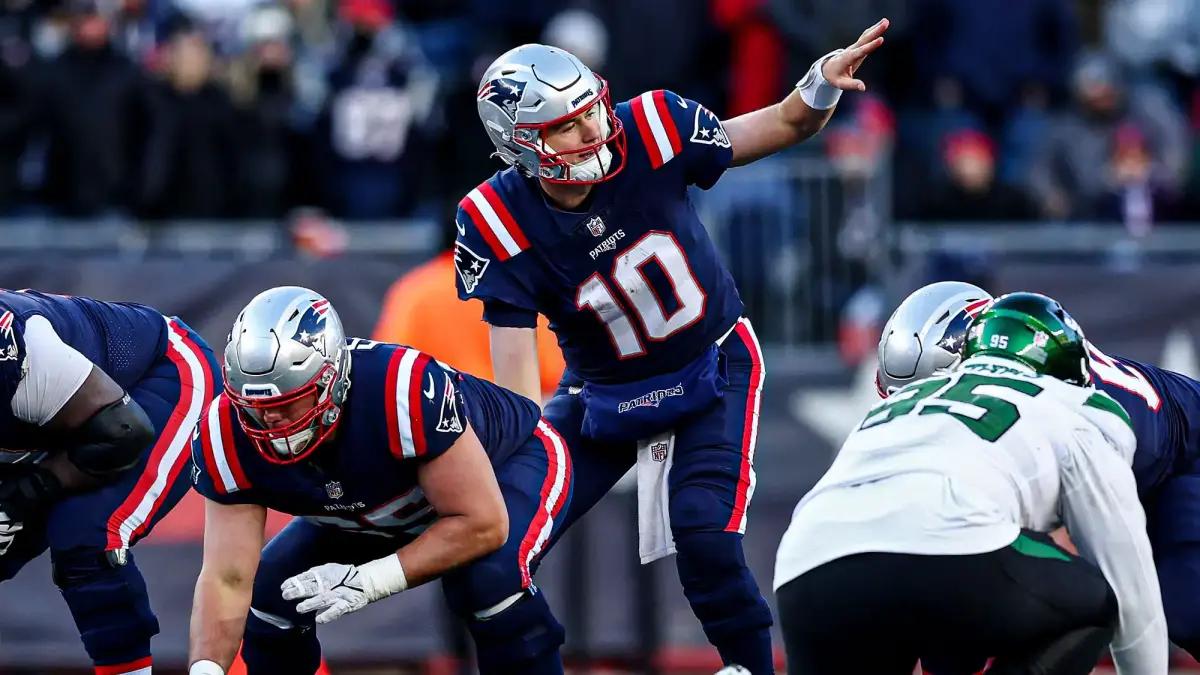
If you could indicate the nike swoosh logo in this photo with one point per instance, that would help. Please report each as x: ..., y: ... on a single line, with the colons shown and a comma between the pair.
x: 461, y: 230
x: 429, y: 391
x: 682, y: 103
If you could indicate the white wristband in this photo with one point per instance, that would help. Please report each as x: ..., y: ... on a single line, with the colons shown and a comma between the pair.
x: 815, y: 89
x: 383, y: 577
x: 206, y: 667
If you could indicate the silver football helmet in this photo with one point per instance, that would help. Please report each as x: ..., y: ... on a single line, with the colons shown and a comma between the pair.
x: 926, y: 333
x: 287, y: 371
x: 534, y: 87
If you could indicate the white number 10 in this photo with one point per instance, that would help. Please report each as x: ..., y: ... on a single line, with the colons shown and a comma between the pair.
x: 662, y: 249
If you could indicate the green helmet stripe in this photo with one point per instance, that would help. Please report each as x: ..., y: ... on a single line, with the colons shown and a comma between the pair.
x: 1102, y: 401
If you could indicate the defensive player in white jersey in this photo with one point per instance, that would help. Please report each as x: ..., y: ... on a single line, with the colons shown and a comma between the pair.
x: 927, y: 533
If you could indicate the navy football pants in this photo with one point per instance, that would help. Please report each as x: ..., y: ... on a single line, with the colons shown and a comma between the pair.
x: 710, y: 486
x: 536, y: 484
x: 108, y: 599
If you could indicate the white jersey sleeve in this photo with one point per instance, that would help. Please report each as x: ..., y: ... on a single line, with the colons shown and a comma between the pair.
x: 1101, y: 510
x: 53, y: 371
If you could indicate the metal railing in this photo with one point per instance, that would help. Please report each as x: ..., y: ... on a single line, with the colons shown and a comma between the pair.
x: 800, y: 236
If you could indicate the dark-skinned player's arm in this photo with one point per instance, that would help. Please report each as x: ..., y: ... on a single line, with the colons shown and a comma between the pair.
x: 472, y: 522
x: 233, y: 541
x: 94, y: 430
x: 808, y: 107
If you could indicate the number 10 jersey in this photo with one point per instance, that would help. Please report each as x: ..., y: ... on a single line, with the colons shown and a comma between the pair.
x: 631, y: 283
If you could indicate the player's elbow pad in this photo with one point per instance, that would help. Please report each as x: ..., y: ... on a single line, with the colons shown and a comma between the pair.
x: 112, y: 440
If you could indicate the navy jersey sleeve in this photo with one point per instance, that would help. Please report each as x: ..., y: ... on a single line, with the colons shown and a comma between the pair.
x: 500, y: 313
x: 488, y: 237
x: 217, y: 471
x: 425, y: 413
x: 677, y: 130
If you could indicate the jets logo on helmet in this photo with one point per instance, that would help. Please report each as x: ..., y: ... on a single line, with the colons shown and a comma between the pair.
x: 504, y: 93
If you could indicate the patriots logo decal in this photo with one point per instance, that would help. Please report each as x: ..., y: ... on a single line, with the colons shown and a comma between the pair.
x: 707, y: 129
x: 8, y: 341
x: 470, y: 266
x: 310, y: 331
x: 503, y: 93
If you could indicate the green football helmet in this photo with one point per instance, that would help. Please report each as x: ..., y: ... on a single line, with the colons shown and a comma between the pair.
x: 1035, y: 330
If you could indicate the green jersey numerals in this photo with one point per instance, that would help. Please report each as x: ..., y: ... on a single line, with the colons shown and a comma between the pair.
x: 988, y: 417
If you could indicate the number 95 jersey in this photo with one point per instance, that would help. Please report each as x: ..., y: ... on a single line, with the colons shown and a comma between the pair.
x: 631, y: 282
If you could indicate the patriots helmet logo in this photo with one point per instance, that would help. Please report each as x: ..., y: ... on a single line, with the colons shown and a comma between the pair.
x: 504, y: 93
x: 310, y: 330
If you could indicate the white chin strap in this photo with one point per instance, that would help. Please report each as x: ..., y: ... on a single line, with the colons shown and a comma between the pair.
x: 593, y: 168
x: 293, y: 445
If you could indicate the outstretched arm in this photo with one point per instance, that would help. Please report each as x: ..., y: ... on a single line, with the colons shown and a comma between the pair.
x: 808, y: 107
x: 233, y: 539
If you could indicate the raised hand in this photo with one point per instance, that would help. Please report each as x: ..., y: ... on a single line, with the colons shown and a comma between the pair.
x: 839, y: 69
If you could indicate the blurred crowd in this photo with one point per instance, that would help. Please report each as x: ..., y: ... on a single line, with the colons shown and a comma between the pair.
x: 365, y: 110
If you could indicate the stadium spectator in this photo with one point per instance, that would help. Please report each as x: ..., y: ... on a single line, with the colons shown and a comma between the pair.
x: 1133, y: 195
x: 272, y: 158
x: 1160, y: 38
x: 372, y: 132
x: 1071, y: 174
x: 93, y: 106
x: 190, y: 155
x: 971, y: 191
x: 995, y: 53
x: 16, y: 117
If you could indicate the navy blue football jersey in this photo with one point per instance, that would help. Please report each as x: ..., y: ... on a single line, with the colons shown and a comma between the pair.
x: 122, y: 339
x: 1165, y: 410
x: 632, y: 285
x: 403, y: 408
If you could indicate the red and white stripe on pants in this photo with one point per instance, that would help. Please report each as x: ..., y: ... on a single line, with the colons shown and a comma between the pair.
x: 552, y: 497
x: 745, y: 487
x: 171, y: 451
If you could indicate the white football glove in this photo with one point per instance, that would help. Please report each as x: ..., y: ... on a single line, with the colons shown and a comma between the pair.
x: 733, y: 670
x: 336, y: 589
x: 8, y: 531
x: 332, y: 589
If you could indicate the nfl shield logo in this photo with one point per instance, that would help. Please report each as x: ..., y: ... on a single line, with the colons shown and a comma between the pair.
x: 334, y: 489
x: 1040, y: 339
x: 658, y: 451
x: 596, y: 226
